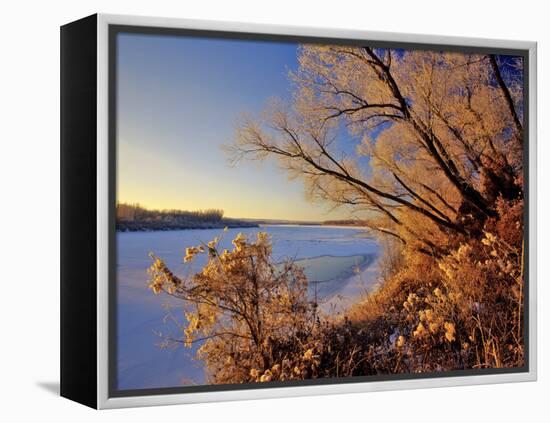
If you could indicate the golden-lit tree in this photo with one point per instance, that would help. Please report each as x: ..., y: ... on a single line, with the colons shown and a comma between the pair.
x: 442, y: 132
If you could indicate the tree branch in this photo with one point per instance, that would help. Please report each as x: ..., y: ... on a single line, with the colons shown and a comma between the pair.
x: 507, y: 97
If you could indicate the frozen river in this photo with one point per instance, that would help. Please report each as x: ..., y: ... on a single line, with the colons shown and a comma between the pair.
x: 340, y: 263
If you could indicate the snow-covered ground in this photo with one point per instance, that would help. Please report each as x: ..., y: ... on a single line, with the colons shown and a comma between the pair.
x: 341, y: 259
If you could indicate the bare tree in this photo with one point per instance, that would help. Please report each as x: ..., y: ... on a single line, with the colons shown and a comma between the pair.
x: 442, y: 132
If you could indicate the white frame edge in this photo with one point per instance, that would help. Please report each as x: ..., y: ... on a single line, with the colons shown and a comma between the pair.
x: 103, y: 400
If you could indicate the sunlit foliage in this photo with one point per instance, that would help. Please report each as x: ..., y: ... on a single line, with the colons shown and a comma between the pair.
x: 252, y: 316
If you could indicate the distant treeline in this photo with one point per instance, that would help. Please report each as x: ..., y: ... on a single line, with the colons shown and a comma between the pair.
x: 135, y: 212
x: 133, y: 217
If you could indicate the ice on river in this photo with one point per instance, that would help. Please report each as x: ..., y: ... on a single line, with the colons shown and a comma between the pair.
x: 340, y: 263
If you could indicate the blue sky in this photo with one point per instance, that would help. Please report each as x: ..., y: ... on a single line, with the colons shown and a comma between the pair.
x: 179, y: 98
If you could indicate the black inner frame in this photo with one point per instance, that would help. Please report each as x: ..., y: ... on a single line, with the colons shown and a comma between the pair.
x: 114, y: 30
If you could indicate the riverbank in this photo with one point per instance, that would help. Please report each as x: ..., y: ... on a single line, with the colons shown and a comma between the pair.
x: 150, y: 226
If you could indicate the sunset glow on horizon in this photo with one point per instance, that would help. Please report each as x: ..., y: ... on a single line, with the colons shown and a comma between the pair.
x: 179, y: 99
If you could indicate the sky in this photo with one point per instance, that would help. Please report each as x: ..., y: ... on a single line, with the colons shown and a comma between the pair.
x: 179, y: 99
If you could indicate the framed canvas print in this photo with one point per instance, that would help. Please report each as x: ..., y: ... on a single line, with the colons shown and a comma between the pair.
x: 255, y: 211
